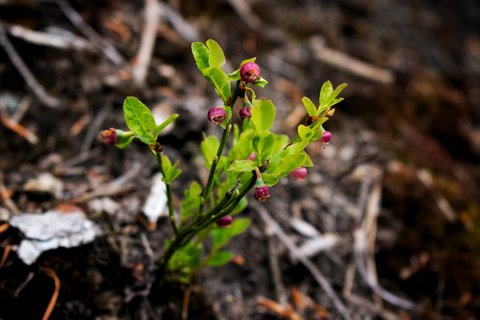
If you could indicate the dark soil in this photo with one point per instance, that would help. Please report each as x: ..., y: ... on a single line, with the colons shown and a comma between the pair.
x: 415, y: 135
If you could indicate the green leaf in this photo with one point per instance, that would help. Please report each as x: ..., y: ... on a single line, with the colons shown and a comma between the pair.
x: 281, y: 141
x: 200, y: 54
x: 263, y: 145
x: 139, y: 119
x: 187, y: 258
x: 220, y: 81
x: 335, y: 93
x: 309, y: 106
x: 242, y: 165
x: 170, y: 172
x: 325, y: 92
x: 308, y: 161
x: 191, y: 200
x: 269, y: 179
x: 284, y: 165
x: 209, y: 147
x: 220, y: 259
x: 216, y: 58
x: 164, y: 124
x: 221, y: 236
x: 261, y: 82
x: 242, y: 149
x: 306, y: 133
x: 263, y: 114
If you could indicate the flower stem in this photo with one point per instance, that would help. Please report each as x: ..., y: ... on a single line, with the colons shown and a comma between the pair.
x: 171, y: 213
x: 224, y: 207
x: 223, y: 142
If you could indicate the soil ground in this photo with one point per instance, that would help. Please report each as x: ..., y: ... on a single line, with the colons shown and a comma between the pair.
x: 403, y: 165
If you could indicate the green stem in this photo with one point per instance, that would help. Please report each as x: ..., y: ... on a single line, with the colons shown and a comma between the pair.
x: 224, y: 207
x: 171, y: 213
x: 223, y: 142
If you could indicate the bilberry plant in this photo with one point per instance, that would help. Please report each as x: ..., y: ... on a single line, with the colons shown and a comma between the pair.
x: 248, y: 155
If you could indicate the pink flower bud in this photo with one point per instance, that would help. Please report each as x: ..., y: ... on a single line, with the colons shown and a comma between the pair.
x: 252, y: 156
x: 245, y: 113
x: 250, y: 72
x: 224, y: 221
x: 217, y: 115
x: 262, y: 193
x: 326, y: 136
x: 109, y: 136
x: 298, y: 174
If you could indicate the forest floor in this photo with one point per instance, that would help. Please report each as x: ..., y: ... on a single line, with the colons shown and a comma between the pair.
x: 387, y: 225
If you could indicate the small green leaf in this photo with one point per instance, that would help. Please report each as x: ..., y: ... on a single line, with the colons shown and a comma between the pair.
x: 164, y: 124
x: 209, y: 147
x: 221, y: 236
x: 261, y: 82
x: 191, y: 200
x: 242, y: 149
x: 170, y: 172
x: 220, y: 259
x: 263, y: 144
x: 139, y: 119
x: 309, y: 106
x: 335, y: 93
x: 286, y: 164
x: 306, y: 133
x: 263, y: 114
x: 325, y: 92
x: 281, y: 141
x: 216, y: 58
x: 200, y: 54
x: 242, y: 166
x: 220, y: 81
x: 269, y: 179
x: 308, y: 161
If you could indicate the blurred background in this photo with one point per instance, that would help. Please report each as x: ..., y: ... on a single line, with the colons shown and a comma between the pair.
x: 402, y: 169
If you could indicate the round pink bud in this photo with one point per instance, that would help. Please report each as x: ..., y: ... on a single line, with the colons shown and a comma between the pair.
x: 109, y: 136
x: 252, y: 156
x: 326, y: 136
x: 250, y: 72
x: 217, y: 115
x: 298, y: 174
x: 224, y: 221
x: 245, y: 113
x: 262, y: 193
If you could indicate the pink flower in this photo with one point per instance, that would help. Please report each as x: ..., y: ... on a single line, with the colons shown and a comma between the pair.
x: 250, y: 72
x: 245, y: 113
x: 298, y: 174
x: 262, y: 193
x: 217, y: 115
x: 326, y: 136
x: 224, y: 221
x: 252, y: 156
x: 109, y: 136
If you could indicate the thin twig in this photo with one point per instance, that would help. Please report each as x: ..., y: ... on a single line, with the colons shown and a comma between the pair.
x: 76, y: 19
x: 365, y: 225
x: 147, y: 43
x: 184, y: 29
x: 48, y: 39
x: 19, y: 129
x: 275, y: 268
x: 27, y: 75
x: 53, y: 300
x: 348, y: 63
x: 290, y: 244
x: 5, y: 254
